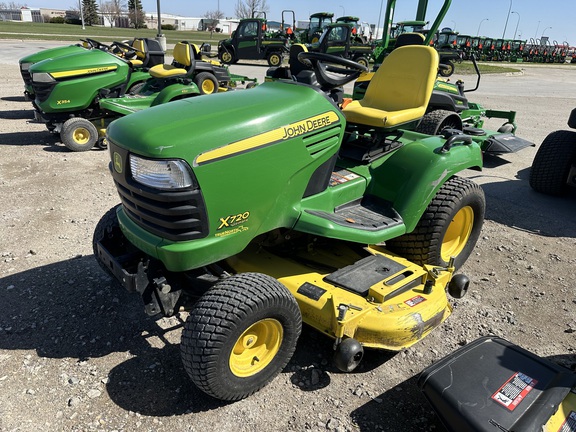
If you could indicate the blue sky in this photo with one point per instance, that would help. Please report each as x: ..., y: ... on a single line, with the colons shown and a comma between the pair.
x: 532, y: 18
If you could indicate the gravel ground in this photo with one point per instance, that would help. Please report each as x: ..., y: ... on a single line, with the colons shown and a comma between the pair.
x: 77, y: 353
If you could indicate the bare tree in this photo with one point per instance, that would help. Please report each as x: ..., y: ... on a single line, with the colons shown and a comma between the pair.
x: 112, y: 9
x: 249, y: 8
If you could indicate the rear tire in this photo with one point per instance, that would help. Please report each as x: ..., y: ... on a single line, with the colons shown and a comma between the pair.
x: 363, y: 61
x: 434, y: 122
x: 240, y: 335
x: 552, y: 163
x: 274, y: 59
x: 79, y: 134
x: 206, y: 82
x: 449, y: 70
x: 450, y: 226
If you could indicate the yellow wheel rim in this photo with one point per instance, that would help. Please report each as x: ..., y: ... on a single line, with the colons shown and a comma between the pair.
x: 458, y: 233
x: 256, y: 348
x: 208, y: 86
x: 81, y: 135
x: 226, y: 57
x: 274, y: 60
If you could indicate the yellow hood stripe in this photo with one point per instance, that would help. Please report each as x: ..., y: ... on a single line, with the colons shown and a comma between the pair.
x: 280, y: 134
x: 66, y: 74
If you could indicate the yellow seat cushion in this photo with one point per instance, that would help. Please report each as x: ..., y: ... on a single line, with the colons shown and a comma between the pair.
x: 166, y: 71
x: 136, y: 62
x: 399, y: 91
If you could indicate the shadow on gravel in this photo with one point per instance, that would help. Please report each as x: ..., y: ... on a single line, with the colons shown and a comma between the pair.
x: 70, y: 309
x: 15, y: 99
x: 412, y: 413
x: 515, y: 204
x: 28, y: 138
x: 17, y: 115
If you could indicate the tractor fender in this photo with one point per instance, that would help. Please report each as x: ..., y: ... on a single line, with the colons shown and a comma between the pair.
x: 412, y: 176
x: 450, y: 102
x: 174, y: 92
x: 136, y: 77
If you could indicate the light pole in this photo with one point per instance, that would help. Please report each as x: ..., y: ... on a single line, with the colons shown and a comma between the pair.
x: 343, y: 10
x: 454, y: 29
x: 537, y: 27
x: 478, y: 31
x: 544, y: 31
x: 82, y: 15
x: 507, y: 16
x: 518, y: 22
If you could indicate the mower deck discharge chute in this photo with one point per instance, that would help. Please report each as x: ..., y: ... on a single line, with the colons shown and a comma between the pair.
x: 287, y: 213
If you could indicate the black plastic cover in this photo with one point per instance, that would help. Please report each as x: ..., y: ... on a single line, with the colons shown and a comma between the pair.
x: 494, y: 385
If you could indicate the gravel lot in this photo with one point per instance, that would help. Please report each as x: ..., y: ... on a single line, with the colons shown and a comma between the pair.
x: 77, y: 353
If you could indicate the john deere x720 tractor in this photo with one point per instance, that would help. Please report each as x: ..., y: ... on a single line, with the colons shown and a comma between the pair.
x: 293, y: 210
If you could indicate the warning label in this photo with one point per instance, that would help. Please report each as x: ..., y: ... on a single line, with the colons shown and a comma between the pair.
x: 414, y: 301
x: 570, y: 424
x: 342, y: 176
x: 514, y: 390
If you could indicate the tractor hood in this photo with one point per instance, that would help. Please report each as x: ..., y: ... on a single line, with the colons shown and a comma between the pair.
x: 203, y: 129
x: 86, y: 62
x: 51, y: 53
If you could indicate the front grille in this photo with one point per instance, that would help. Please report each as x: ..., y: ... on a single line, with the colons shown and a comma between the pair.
x: 26, y: 76
x: 174, y: 215
x: 42, y: 90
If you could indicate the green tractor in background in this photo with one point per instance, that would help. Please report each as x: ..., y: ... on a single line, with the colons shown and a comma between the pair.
x: 293, y: 210
x: 78, y: 96
x: 147, y: 53
x: 252, y: 41
x: 318, y: 21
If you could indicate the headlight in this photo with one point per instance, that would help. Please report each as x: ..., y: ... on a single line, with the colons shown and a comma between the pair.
x: 161, y: 173
x: 25, y: 66
x: 43, y: 77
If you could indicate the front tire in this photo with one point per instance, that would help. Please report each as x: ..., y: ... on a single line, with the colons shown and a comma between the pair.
x: 206, y: 82
x: 552, y: 163
x: 227, y: 57
x: 107, y: 227
x: 449, y: 227
x: 78, y: 134
x: 240, y: 335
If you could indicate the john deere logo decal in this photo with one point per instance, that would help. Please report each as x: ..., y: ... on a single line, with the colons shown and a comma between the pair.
x: 117, y: 163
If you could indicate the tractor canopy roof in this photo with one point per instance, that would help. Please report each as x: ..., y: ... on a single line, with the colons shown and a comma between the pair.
x: 322, y: 15
x: 348, y: 19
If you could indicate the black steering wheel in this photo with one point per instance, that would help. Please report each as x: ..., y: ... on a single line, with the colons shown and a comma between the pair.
x: 96, y: 44
x: 332, y: 71
x: 124, y: 50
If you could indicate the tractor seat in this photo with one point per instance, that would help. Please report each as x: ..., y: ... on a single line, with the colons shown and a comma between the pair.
x: 139, y: 46
x: 183, y: 60
x: 399, y: 91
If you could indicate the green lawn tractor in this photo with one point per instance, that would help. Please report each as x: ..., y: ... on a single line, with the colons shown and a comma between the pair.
x: 189, y: 75
x: 291, y: 211
x: 553, y: 169
x: 449, y: 108
x: 147, y: 51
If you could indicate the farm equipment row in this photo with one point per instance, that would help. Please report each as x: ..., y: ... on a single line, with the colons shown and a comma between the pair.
x: 507, y: 50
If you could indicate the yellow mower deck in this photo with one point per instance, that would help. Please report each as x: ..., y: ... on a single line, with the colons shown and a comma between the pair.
x: 381, y: 300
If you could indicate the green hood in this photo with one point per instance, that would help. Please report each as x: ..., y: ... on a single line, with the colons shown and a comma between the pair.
x: 52, y: 53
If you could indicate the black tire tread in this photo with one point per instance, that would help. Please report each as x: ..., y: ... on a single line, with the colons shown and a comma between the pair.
x: 217, y: 315
x: 552, y: 162
x: 423, y: 245
x: 433, y: 122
